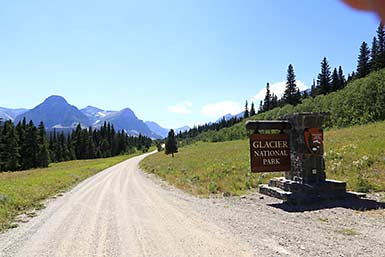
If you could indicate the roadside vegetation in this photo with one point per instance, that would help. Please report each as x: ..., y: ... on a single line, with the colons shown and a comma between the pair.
x: 205, y: 168
x: 357, y: 100
x: 23, y: 191
x: 355, y: 155
x: 214, y: 158
x: 362, y: 101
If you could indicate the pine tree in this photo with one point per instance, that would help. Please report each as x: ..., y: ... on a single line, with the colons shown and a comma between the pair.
x: 84, y: 143
x: 363, y: 66
x: 380, y: 60
x: 113, y: 142
x: 51, y: 146
x: 21, y: 128
x: 335, y: 81
x: 260, y: 109
x: 91, y: 145
x: 65, y: 155
x: 373, y: 54
x: 324, y: 78
x: 252, y: 110
x: 10, y: 156
x: 246, y: 113
x: 171, y: 143
x: 291, y: 95
x: 59, y: 147
x: 267, y: 100
x: 43, y: 152
x: 31, y: 146
x: 274, y: 101
x: 341, y: 78
x: 305, y: 94
x: 351, y: 77
x: 313, y: 89
x: 2, y: 148
x: 71, y: 148
x: 297, y: 96
x: 76, y: 138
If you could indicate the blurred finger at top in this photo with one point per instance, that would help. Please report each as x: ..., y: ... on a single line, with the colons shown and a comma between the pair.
x: 377, y: 6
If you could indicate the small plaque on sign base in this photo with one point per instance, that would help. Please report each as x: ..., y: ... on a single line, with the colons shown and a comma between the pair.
x: 269, y: 152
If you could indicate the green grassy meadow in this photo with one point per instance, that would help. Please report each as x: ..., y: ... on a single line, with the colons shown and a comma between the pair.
x: 24, y: 190
x: 355, y: 155
x: 203, y: 168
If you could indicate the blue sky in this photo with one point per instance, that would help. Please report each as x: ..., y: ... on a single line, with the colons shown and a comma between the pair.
x: 173, y: 62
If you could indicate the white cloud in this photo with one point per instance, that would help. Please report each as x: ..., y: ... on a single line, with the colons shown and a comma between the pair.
x: 181, y: 108
x: 217, y: 110
x: 278, y: 89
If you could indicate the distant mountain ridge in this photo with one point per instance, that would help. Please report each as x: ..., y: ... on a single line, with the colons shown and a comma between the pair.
x: 182, y: 129
x: 57, y: 113
x: 10, y: 114
x: 95, y: 114
x: 156, y: 128
x: 164, y: 131
x: 127, y: 120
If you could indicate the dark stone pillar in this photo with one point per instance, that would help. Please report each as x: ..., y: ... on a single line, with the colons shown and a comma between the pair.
x: 306, y: 144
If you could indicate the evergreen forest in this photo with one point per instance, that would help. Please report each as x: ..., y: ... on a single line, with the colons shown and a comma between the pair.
x: 26, y: 146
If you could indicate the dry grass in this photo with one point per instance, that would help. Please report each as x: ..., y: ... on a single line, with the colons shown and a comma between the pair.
x: 355, y: 155
x: 206, y: 168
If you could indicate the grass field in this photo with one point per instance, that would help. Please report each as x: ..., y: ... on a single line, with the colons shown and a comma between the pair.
x: 356, y: 155
x: 203, y: 168
x: 24, y: 190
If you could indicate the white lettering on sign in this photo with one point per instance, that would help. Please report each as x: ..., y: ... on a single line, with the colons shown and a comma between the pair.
x: 273, y: 161
x: 270, y: 144
x: 269, y: 152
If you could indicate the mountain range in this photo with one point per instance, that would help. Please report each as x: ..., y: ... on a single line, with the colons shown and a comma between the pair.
x: 10, y: 114
x: 57, y: 113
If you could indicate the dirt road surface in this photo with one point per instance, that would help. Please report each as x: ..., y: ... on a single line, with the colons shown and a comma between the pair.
x: 120, y: 212
x: 123, y: 212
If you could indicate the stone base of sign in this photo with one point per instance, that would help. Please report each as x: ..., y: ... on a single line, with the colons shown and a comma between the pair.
x: 297, y: 193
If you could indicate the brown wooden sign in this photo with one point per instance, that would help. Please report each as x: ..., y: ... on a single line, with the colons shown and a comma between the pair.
x: 269, y: 152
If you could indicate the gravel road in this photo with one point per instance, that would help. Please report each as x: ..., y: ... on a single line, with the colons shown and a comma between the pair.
x: 120, y: 212
x: 124, y: 212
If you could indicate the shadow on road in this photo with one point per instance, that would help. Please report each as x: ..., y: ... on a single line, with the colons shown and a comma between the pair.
x: 358, y: 204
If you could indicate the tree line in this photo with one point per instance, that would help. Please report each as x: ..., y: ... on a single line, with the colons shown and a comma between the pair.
x: 26, y: 146
x: 362, y: 102
x: 196, y: 130
x: 328, y: 81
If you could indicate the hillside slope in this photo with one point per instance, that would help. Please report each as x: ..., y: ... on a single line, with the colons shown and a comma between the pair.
x: 360, y: 102
x: 356, y: 155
